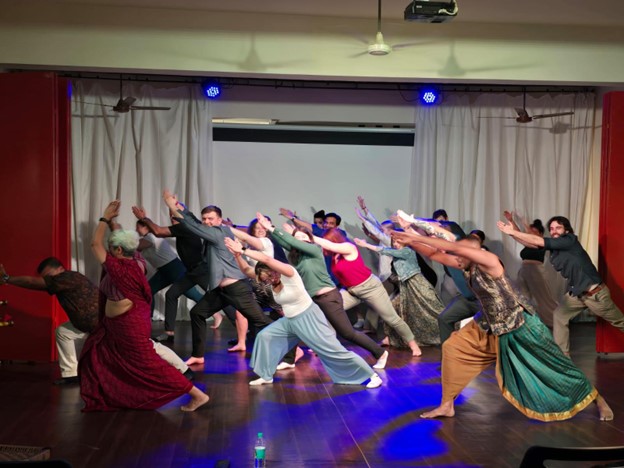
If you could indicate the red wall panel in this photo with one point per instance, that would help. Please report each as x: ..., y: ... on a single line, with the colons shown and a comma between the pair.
x: 34, y: 204
x: 611, y: 231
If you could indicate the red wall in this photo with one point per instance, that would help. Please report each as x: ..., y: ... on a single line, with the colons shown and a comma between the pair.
x: 34, y: 205
x: 611, y: 232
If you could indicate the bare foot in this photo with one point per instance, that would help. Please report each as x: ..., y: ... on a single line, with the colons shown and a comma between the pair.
x: 218, y: 318
x: 194, y: 360
x: 298, y: 354
x: 445, y: 410
x: 237, y: 347
x: 385, y: 342
x: 605, y: 413
x: 198, y: 399
x: 415, y: 349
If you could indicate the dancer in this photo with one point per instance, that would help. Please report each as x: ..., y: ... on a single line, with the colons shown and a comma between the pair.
x: 532, y: 372
x: 462, y: 304
x: 227, y: 285
x: 418, y: 303
x: 585, y: 286
x: 303, y: 320
x: 361, y: 285
x: 189, y: 248
x: 256, y: 238
x: 532, y: 275
x: 118, y: 367
x: 307, y: 258
x: 78, y: 297
x: 169, y: 268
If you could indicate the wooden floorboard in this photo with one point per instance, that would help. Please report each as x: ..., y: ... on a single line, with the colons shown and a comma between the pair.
x: 307, y: 420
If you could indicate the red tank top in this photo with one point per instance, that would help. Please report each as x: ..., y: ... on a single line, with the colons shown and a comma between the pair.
x: 350, y: 273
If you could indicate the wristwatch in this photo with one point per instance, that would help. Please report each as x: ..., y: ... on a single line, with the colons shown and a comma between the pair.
x: 5, y: 278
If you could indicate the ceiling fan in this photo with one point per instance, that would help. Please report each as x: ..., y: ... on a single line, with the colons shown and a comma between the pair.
x: 379, y: 47
x: 524, y: 117
x: 125, y: 105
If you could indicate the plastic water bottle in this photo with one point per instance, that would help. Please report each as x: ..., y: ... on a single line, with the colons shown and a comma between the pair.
x: 259, y: 451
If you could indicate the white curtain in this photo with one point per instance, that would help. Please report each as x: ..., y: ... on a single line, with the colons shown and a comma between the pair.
x: 133, y: 156
x: 473, y: 159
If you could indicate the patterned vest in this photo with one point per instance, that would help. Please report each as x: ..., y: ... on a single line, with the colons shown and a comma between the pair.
x: 502, y: 305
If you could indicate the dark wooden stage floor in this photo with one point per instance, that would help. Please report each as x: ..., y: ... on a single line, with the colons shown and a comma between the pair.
x: 307, y: 421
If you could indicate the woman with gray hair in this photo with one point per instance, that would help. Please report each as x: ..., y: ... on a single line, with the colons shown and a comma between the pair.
x: 118, y: 367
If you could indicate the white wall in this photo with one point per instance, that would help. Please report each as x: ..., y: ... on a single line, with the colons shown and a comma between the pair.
x: 306, y: 178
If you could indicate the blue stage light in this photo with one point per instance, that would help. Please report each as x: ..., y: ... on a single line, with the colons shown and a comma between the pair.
x: 429, y: 96
x: 212, y: 89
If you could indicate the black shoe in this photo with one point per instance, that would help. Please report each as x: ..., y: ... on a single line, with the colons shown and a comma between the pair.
x: 189, y: 374
x: 67, y: 380
x: 165, y: 338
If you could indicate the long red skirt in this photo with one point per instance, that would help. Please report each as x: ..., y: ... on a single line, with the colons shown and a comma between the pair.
x: 119, y: 368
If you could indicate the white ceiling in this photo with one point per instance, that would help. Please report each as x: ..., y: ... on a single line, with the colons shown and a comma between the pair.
x: 572, y: 42
x: 559, y: 12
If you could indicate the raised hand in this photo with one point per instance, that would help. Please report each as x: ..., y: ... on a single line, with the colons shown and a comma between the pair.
x: 286, y: 213
x: 506, y: 228
x: 139, y: 212
x: 360, y: 242
x: 361, y: 202
x: 227, y: 222
x: 233, y: 245
x: 112, y: 210
x: 400, y: 221
x: 263, y: 221
x: 508, y: 215
x: 171, y: 200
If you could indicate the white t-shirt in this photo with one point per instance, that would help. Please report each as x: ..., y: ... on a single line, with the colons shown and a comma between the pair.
x: 267, y: 249
x: 293, y: 297
x: 160, y: 253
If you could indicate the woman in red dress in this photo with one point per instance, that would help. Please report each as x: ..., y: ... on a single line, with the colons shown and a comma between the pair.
x: 118, y: 367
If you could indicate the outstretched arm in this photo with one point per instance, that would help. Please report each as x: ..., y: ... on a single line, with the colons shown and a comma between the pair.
x: 97, y: 242
x: 342, y: 248
x: 236, y: 247
x: 252, y: 241
x: 366, y: 245
x: 529, y: 240
x: 192, y: 224
x: 285, y: 212
x: 489, y: 262
x: 28, y: 282
x: 245, y: 267
x: 158, y: 231
x: 509, y: 216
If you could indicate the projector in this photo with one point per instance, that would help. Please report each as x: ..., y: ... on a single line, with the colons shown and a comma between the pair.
x: 424, y: 11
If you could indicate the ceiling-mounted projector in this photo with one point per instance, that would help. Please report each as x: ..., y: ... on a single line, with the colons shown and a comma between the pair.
x: 425, y: 11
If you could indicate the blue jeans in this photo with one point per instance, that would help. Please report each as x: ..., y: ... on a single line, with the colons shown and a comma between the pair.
x: 167, y: 275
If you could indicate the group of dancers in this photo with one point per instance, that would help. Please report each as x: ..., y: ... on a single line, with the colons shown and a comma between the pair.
x: 242, y: 272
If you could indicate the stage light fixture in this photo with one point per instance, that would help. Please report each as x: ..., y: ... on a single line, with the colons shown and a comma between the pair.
x: 212, y: 89
x: 429, y: 96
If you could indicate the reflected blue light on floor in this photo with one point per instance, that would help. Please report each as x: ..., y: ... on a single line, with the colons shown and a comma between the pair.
x: 412, y: 442
x: 391, y: 424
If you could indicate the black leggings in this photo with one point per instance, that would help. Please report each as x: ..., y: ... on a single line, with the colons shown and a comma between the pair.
x: 331, y: 305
